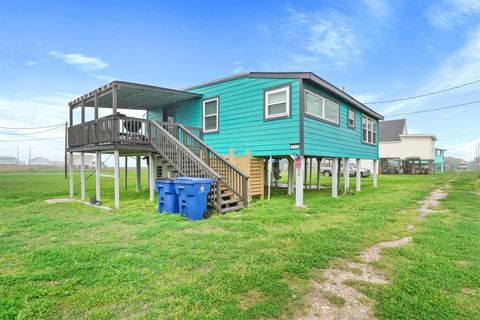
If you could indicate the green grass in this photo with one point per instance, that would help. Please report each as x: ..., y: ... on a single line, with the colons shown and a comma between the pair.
x: 74, y: 261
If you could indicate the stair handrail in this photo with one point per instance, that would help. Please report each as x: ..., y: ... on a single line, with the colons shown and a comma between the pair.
x: 241, y: 193
x: 233, y: 166
x: 175, y: 141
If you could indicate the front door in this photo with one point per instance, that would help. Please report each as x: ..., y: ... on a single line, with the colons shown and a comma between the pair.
x: 169, y: 117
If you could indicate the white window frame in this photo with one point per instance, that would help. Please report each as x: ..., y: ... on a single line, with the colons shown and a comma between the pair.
x: 323, y: 99
x: 287, y: 103
x: 370, y: 130
x: 350, y: 110
x: 210, y: 115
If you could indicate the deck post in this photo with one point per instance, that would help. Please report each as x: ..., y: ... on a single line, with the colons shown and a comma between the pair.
x: 98, y: 166
x: 375, y: 169
x: 299, y: 183
x: 82, y: 176
x: 126, y: 174
x: 290, y: 176
x: 311, y: 163
x: 346, y: 174
x: 339, y: 174
x: 319, y: 161
x: 117, y: 178
x: 70, y: 165
x: 151, y: 182
x: 139, y: 173
x: 334, y: 177
x: 358, y: 185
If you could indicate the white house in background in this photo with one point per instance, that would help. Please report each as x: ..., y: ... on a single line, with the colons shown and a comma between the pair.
x: 6, y: 160
x: 400, y: 152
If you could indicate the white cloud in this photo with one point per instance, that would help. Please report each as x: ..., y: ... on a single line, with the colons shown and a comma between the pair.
x: 238, y: 67
x: 325, y: 39
x: 448, y: 14
x: 106, y: 78
x: 31, y: 63
x: 461, y: 67
x: 378, y: 8
x: 83, y: 62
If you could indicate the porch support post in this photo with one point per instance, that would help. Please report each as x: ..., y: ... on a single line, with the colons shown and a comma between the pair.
x: 139, y: 174
x: 82, y: 109
x: 334, y: 177
x: 114, y: 99
x: 98, y: 166
x: 299, y: 184
x: 70, y: 115
x: 82, y: 176
x: 339, y: 174
x: 70, y: 165
x: 126, y: 174
x: 117, y: 178
x: 152, y: 177
x: 346, y: 174
x: 95, y: 104
x: 375, y: 169
x: 358, y: 185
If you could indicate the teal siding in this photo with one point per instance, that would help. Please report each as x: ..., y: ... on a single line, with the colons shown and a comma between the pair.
x: 329, y: 140
x: 241, y: 120
x: 155, y: 114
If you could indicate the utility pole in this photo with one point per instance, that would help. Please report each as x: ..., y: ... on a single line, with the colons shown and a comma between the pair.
x: 30, y: 156
x: 17, y: 155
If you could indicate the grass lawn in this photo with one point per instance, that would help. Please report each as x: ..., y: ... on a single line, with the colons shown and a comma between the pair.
x: 73, y: 261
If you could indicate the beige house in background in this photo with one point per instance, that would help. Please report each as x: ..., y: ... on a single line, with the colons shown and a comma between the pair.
x: 400, y: 152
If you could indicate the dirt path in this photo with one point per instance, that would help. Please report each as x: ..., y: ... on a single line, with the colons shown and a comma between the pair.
x: 335, y: 298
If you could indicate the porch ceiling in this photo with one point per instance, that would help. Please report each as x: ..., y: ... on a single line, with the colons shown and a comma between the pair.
x: 133, y: 96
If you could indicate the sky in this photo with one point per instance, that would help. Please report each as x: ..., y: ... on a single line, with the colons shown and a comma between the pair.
x: 54, y: 51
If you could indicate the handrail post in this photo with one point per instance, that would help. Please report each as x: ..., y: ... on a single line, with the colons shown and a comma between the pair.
x: 245, y: 191
x: 219, y: 193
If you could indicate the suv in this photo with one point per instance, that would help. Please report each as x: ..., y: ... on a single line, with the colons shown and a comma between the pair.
x: 352, y: 171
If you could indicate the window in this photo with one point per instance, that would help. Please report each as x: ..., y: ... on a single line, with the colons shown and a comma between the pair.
x: 320, y: 107
x: 369, y: 130
x: 277, y: 103
x: 351, y: 118
x: 210, y: 115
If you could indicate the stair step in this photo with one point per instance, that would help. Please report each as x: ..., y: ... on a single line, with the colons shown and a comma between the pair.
x: 229, y: 209
x: 230, y: 201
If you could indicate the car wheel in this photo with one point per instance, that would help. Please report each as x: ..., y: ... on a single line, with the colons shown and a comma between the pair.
x: 327, y: 173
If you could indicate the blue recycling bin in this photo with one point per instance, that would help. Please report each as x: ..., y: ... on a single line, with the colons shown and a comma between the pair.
x: 167, y: 196
x: 192, y: 196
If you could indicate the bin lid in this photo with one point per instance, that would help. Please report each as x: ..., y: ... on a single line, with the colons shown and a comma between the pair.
x: 165, y: 180
x: 192, y: 180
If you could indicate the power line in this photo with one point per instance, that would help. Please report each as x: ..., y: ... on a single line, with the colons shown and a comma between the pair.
x: 31, y: 128
x: 26, y: 140
x: 434, y: 109
x: 30, y: 133
x: 425, y: 94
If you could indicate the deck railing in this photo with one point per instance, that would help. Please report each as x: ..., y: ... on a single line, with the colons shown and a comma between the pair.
x: 114, y: 129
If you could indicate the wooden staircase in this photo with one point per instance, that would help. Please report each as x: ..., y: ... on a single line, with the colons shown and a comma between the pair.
x: 187, y: 155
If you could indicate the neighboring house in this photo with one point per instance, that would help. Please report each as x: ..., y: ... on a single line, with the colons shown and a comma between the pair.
x: 401, y: 152
x: 7, y: 160
x: 439, y: 160
x: 284, y: 115
x: 40, y: 161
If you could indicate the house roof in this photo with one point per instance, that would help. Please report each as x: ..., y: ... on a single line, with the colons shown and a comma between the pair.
x: 310, y: 76
x: 392, y: 129
x: 431, y: 136
x: 133, y: 96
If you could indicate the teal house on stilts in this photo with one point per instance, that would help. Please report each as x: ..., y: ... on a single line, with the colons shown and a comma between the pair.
x: 226, y: 129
